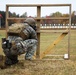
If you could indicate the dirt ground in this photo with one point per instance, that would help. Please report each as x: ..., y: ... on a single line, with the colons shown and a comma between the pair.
x: 44, y: 67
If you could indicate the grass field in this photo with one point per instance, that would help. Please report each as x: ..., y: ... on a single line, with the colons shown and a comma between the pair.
x: 2, y: 35
x: 46, y: 67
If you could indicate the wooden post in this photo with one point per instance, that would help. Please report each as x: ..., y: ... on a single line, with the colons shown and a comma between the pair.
x: 38, y: 34
x: 0, y: 22
x: 7, y: 15
x: 69, y: 32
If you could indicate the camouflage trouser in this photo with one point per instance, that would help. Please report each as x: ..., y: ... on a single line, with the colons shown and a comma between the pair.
x: 31, y: 45
x: 29, y: 48
x: 12, y: 55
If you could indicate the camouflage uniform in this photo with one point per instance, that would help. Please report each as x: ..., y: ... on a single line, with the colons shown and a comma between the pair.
x: 27, y: 46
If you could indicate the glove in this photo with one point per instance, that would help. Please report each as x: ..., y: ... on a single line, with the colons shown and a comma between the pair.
x: 16, y: 44
x: 18, y: 47
x: 21, y: 48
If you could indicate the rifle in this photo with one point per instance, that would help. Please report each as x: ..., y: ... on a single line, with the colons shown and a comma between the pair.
x: 6, y: 44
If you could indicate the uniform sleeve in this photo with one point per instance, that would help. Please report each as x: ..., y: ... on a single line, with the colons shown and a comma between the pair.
x: 31, y: 33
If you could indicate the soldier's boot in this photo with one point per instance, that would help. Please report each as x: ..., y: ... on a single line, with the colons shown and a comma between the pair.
x: 29, y: 55
x: 11, y: 60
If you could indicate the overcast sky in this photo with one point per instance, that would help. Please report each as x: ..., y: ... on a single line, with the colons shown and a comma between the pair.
x: 32, y: 10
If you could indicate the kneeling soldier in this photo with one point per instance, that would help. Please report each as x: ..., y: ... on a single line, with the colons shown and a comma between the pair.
x: 22, y: 38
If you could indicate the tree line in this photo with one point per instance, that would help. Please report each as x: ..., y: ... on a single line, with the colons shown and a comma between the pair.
x: 48, y: 21
x: 60, y: 21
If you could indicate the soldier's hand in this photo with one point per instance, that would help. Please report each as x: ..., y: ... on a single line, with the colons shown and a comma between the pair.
x: 14, y: 47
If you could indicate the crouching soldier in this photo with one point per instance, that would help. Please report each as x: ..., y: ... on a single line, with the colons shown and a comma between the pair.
x: 22, y: 38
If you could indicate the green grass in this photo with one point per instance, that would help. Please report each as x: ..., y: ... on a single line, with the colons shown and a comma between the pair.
x: 62, y: 46
x: 2, y: 35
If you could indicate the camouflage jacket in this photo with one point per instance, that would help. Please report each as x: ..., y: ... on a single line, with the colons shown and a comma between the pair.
x: 31, y: 41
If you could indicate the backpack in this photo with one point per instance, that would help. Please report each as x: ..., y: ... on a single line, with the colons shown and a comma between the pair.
x: 16, y: 29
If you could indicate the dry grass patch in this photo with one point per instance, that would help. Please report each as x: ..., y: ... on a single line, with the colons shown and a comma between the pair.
x: 55, y: 67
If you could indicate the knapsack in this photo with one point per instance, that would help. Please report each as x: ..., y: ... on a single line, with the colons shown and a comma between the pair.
x: 16, y: 29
